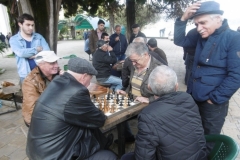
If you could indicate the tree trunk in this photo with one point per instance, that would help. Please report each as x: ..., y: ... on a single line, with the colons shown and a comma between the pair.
x: 111, y: 21
x: 25, y: 7
x: 130, y: 13
x: 53, y: 12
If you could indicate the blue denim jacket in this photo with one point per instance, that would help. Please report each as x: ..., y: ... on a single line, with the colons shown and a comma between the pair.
x: 18, y: 46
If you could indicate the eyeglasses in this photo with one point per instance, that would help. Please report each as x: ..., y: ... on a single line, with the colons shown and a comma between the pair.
x: 136, y: 61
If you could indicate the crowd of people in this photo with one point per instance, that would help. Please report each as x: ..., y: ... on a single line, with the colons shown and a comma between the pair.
x: 65, y: 124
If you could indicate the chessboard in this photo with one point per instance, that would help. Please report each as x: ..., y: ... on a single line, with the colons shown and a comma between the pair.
x: 112, y: 103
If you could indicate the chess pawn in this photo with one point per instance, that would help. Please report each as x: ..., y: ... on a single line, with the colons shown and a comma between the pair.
x: 111, y: 108
x: 125, y: 103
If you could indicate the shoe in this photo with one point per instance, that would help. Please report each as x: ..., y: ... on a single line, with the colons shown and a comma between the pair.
x: 127, y: 140
x: 110, y: 138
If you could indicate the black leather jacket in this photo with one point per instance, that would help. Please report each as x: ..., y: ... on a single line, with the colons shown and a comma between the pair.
x: 63, y: 121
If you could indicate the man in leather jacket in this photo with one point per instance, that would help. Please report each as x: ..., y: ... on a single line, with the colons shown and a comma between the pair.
x: 37, y: 80
x: 65, y: 123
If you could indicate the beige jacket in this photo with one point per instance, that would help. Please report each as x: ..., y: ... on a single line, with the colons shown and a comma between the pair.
x: 32, y: 88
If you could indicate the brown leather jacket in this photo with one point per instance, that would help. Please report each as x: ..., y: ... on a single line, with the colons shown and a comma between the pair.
x: 33, y: 86
x: 93, y: 39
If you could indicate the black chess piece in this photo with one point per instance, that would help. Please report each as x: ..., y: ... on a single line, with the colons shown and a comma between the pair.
x: 121, y: 103
x: 131, y: 97
x: 128, y: 102
x: 108, y: 96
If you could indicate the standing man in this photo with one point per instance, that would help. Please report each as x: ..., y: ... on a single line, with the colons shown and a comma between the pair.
x: 119, y: 43
x: 26, y: 44
x: 152, y: 45
x: 95, y: 35
x: 136, y: 33
x: 2, y: 37
x: 65, y: 123
x: 216, y: 67
x: 37, y: 80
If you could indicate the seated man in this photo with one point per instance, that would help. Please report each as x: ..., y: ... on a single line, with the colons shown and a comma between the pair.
x: 128, y: 64
x: 65, y: 123
x: 170, y: 127
x: 37, y: 80
x: 103, y: 59
x: 152, y: 45
x: 142, y: 65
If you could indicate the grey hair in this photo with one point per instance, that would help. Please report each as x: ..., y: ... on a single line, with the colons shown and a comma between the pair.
x: 212, y: 16
x: 117, y: 26
x: 162, y: 80
x: 216, y: 15
x: 138, y: 48
x: 140, y: 39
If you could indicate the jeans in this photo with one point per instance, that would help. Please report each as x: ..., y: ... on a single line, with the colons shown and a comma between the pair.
x: 213, y: 117
x: 115, y: 82
x: 103, y: 155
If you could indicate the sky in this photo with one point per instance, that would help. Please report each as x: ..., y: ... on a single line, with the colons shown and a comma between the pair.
x: 231, y: 12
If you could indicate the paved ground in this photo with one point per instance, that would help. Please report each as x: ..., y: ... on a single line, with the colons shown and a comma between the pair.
x: 13, y: 131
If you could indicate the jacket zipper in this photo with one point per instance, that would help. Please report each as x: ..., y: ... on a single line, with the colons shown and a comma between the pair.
x: 211, y: 51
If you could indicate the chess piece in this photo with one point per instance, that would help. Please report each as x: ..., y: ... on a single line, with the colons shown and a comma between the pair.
x: 121, y: 103
x: 125, y: 103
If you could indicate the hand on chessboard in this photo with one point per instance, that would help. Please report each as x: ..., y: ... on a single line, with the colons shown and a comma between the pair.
x: 121, y: 92
x: 142, y: 99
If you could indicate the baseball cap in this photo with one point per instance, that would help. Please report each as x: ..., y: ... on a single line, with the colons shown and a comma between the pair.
x: 47, y: 56
x: 79, y: 65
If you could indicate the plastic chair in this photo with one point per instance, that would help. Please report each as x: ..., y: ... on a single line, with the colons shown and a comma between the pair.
x: 225, y: 148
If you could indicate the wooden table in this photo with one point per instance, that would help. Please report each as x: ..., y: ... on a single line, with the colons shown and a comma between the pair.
x: 119, y: 120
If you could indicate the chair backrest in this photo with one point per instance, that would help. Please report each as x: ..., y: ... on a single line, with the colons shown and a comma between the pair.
x: 225, y: 148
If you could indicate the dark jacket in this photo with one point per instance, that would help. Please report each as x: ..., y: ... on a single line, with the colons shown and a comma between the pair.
x: 216, y: 67
x: 62, y: 122
x: 128, y: 65
x: 161, y: 53
x: 119, y: 47
x: 102, y: 62
x: 145, y: 92
x: 93, y: 39
x: 140, y: 34
x: 170, y: 128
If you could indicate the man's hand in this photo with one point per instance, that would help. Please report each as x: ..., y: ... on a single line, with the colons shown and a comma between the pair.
x: 117, y: 38
x: 39, y: 48
x: 121, y: 92
x: 110, y: 48
x: 142, y: 99
x: 32, y: 57
x: 209, y: 101
x: 190, y: 11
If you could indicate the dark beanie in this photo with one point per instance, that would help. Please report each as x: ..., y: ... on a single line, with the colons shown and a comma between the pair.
x: 100, y: 22
x: 135, y: 26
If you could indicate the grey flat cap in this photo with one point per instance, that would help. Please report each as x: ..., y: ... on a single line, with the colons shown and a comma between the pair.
x: 79, y: 65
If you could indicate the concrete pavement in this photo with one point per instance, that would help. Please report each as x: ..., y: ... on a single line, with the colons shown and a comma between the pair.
x: 13, y: 131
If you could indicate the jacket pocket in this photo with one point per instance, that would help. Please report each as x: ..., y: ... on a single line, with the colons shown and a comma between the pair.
x: 210, y: 80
